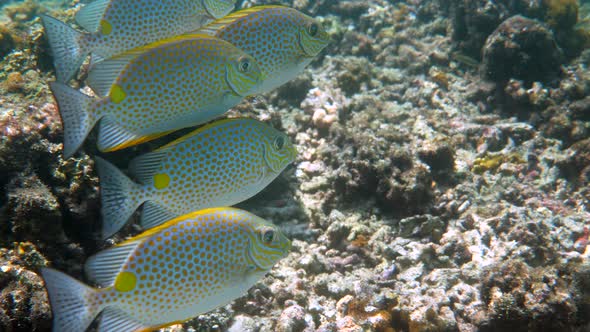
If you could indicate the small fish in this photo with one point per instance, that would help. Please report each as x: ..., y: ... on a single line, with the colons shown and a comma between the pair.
x: 282, y: 40
x: 222, y: 163
x: 153, y: 90
x: 169, y: 274
x: 465, y: 59
x: 115, y: 26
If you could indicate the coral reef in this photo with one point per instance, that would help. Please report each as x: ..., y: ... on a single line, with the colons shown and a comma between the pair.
x: 425, y: 197
x: 521, y: 48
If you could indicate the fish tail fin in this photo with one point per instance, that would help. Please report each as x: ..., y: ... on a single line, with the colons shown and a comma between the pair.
x: 119, y: 197
x: 75, y: 109
x: 69, y: 47
x: 70, y: 301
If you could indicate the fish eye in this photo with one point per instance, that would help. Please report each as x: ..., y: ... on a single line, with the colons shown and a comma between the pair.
x: 244, y: 65
x: 268, y: 236
x: 313, y: 29
x: 279, y: 142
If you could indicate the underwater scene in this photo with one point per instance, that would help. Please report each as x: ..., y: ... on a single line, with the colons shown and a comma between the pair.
x: 295, y: 165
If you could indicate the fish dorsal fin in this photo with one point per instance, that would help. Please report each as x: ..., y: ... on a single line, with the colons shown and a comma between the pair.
x: 104, y: 72
x: 103, y: 267
x: 114, y: 319
x: 144, y: 167
x: 150, y: 232
x: 90, y: 15
x: 196, y: 132
x: 154, y: 214
x: 159, y: 43
x: 213, y: 27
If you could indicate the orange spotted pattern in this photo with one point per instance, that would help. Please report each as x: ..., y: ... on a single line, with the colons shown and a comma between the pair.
x: 193, y: 264
x: 130, y: 24
x: 177, y: 84
x: 281, y: 39
x: 220, y: 164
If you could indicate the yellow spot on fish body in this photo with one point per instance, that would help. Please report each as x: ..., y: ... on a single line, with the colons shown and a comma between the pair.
x: 125, y: 281
x: 117, y: 94
x: 105, y: 27
x: 161, y: 180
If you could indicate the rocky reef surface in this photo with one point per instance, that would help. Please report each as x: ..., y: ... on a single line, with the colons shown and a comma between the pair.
x: 441, y: 183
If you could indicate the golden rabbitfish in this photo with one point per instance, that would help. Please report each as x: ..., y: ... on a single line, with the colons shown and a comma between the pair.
x: 172, y: 84
x: 222, y: 163
x: 115, y: 26
x: 281, y: 39
x: 185, y: 267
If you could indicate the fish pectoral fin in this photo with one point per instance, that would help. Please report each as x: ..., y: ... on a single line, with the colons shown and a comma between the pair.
x: 103, y: 267
x: 114, y: 319
x: 90, y: 15
x: 144, y: 167
x: 154, y: 214
x: 113, y: 137
x: 104, y: 72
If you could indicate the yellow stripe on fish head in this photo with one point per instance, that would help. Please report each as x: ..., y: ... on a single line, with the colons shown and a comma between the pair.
x: 243, y: 74
x: 267, y: 244
x: 312, y: 36
x: 279, y: 151
x: 219, y: 8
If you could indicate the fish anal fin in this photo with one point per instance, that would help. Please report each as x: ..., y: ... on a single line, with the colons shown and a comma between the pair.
x: 115, y: 319
x: 103, y: 267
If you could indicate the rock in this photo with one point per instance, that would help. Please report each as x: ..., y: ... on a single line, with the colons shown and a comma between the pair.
x: 294, y: 91
x: 14, y: 82
x: 23, y: 301
x: 422, y: 225
x: 33, y: 211
x: 473, y: 20
x: 353, y: 74
x: 576, y: 166
x: 439, y: 156
x: 540, y: 298
x: 347, y: 324
x: 581, y: 109
x: 243, y: 323
x: 524, y: 49
x: 292, y: 319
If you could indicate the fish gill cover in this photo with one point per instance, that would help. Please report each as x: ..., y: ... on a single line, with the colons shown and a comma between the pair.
x: 441, y: 180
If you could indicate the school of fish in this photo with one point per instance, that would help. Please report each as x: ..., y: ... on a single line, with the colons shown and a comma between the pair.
x: 157, y: 67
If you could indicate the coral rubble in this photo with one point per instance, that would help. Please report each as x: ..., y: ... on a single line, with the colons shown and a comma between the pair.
x: 441, y: 182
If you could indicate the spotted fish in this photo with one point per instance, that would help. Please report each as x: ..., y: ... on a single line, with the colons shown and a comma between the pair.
x: 115, y: 26
x: 281, y: 39
x: 222, y: 163
x: 185, y: 267
x: 152, y: 90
